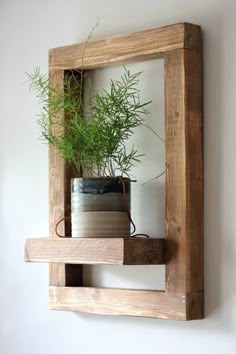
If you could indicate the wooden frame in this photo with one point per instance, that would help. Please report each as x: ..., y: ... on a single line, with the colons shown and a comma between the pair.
x: 180, y: 46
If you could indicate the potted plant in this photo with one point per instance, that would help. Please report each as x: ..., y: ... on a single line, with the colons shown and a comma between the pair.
x: 93, y: 140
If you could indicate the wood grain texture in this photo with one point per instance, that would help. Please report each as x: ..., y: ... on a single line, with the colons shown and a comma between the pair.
x: 184, y: 176
x: 144, y: 251
x: 59, y: 201
x: 95, y: 251
x: 195, y: 306
x: 194, y: 171
x: 126, y: 48
x: 106, y: 301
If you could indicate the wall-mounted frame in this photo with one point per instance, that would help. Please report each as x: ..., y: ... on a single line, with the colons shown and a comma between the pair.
x: 182, y: 250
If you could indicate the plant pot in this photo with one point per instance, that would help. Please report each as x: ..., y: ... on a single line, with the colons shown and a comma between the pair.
x: 100, y: 207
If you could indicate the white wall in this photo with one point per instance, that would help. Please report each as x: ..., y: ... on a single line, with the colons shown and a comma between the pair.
x: 27, y: 30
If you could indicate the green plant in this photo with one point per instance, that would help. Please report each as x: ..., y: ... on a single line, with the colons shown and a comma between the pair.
x: 94, y: 141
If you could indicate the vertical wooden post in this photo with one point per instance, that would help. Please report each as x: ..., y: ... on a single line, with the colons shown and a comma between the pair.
x: 184, y: 194
x: 59, y: 203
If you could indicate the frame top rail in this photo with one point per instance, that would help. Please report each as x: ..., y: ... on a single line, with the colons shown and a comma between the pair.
x: 125, y: 48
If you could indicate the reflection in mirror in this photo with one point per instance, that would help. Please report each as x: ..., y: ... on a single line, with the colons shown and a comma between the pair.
x: 148, y: 193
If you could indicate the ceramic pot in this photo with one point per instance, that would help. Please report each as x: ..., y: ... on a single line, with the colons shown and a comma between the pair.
x: 100, y: 207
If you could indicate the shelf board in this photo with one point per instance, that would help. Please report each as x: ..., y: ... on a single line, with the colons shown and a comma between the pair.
x: 74, y: 250
x: 108, y: 301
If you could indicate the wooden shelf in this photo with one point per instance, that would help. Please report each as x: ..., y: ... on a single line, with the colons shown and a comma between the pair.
x: 180, y: 46
x: 95, y: 250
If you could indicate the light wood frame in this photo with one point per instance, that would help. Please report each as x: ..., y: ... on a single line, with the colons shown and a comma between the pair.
x: 180, y: 46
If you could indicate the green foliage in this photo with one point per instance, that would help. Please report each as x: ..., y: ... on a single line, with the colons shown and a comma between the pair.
x: 96, y: 141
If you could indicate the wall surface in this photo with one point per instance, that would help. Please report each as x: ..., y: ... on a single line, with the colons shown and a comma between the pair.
x: 27, y: 30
